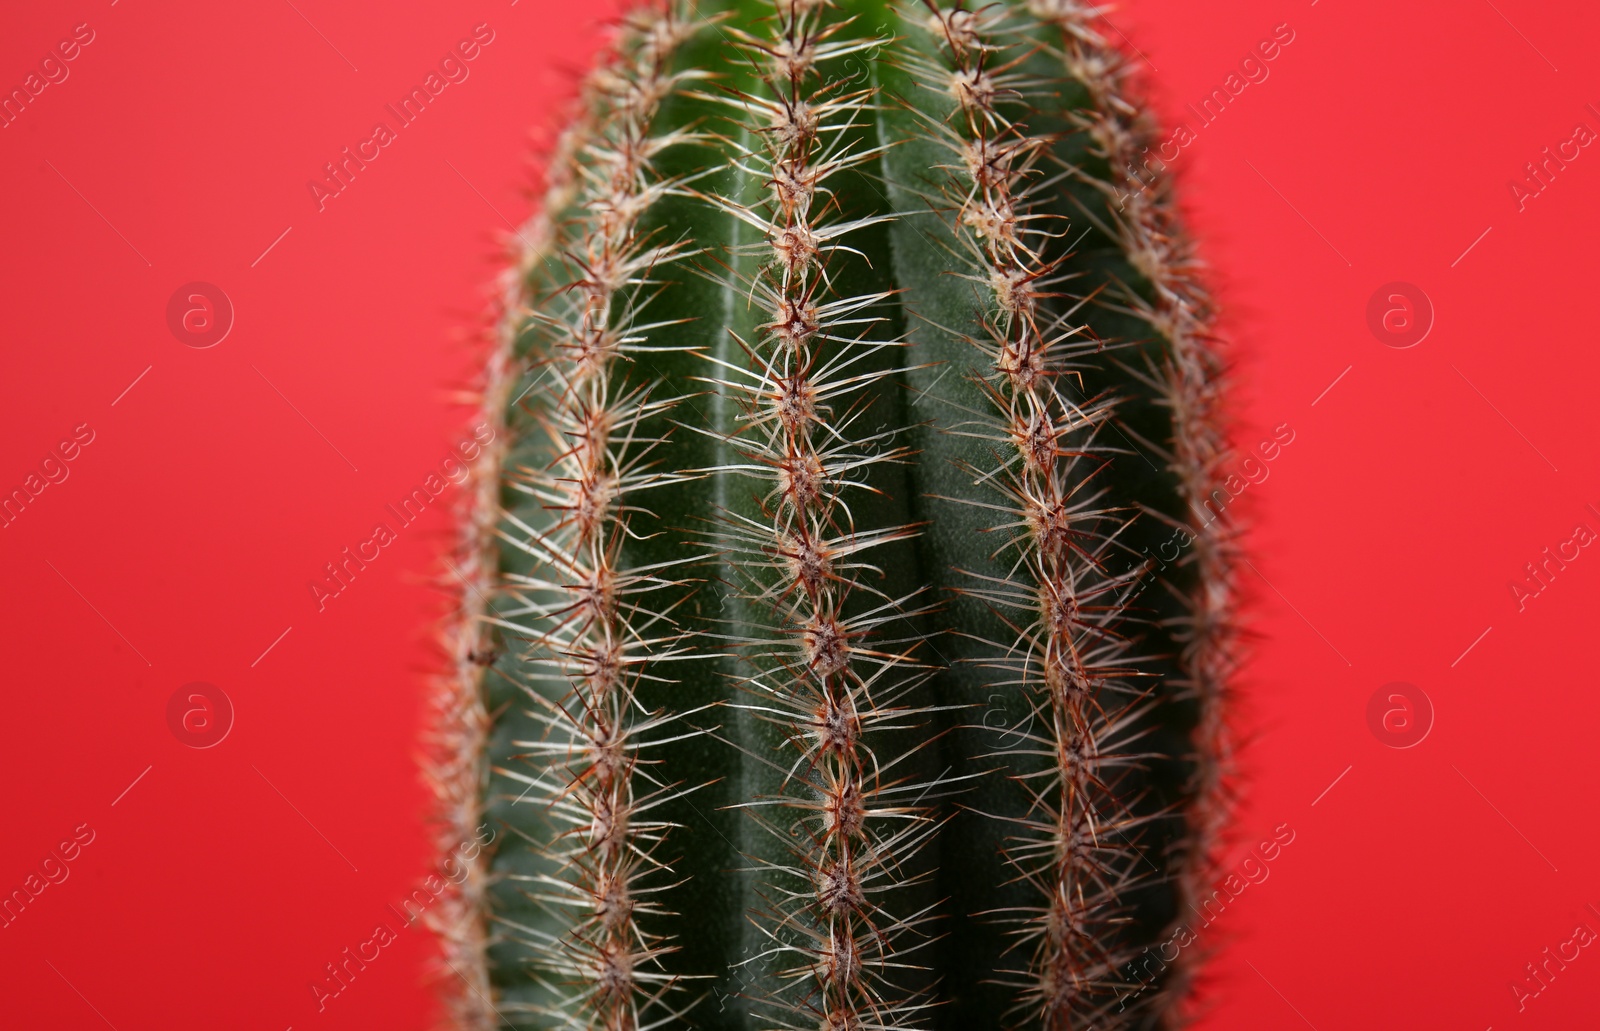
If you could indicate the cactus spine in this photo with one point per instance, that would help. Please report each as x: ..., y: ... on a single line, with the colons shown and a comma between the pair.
x: 847, y: 390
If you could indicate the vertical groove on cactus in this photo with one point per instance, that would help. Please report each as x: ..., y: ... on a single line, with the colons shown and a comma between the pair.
x: 808, y: 627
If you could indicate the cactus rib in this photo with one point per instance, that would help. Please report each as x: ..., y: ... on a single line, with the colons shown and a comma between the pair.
x: 825, y: 672
x: 1063, y: 640
x: 1191, y: 381
x: 589, y: 616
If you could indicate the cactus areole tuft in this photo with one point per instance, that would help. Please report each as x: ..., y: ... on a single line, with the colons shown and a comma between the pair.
x: 845, y: 634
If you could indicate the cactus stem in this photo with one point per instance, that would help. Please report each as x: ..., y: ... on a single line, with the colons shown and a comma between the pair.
x: 752, y: 587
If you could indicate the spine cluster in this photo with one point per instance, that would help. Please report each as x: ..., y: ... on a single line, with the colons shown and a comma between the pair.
x: 583, y: 611
x: 828, y: 673
x: 1192, y: 382
x: 1068, y: 653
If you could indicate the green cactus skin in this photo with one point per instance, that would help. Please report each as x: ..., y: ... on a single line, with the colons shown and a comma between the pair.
x: 818, y: 655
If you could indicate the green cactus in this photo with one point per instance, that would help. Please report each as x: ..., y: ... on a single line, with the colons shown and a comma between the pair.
x: 821, y: 657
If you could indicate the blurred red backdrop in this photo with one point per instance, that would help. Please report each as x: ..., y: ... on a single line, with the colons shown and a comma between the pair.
x: 172, y: 540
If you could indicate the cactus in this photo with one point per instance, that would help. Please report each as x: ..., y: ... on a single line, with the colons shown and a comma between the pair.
x: 819, y: 656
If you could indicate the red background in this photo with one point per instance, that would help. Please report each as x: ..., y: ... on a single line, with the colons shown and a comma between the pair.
x: 1383, y: 541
